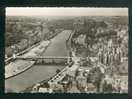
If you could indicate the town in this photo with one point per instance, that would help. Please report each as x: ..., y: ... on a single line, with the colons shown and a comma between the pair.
x: 86, y: 54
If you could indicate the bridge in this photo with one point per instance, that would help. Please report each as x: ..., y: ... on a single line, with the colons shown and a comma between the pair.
x: 46, y: 59
x: 41, y: 57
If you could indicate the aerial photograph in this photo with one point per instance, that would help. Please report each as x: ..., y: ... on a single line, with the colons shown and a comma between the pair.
x: 66, y: 50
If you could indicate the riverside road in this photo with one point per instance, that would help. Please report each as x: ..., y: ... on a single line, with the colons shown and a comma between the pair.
x: 38, y: 73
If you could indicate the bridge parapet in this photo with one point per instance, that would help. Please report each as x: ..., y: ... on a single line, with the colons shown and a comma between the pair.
x: 42, y: 57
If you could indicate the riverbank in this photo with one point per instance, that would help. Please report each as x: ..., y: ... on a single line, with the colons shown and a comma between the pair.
x: 21, y: 53
x: 18, y: 66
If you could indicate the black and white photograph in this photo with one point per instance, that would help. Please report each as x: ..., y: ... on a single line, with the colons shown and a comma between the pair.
x: 66, y: 50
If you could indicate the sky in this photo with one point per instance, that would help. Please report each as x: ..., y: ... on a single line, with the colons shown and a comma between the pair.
x: 65, y: 11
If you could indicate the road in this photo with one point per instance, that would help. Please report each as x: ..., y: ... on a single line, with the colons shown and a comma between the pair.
x: 38, y: 73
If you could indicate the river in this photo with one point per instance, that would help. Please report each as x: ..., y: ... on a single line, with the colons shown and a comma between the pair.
x: 38, y: 73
